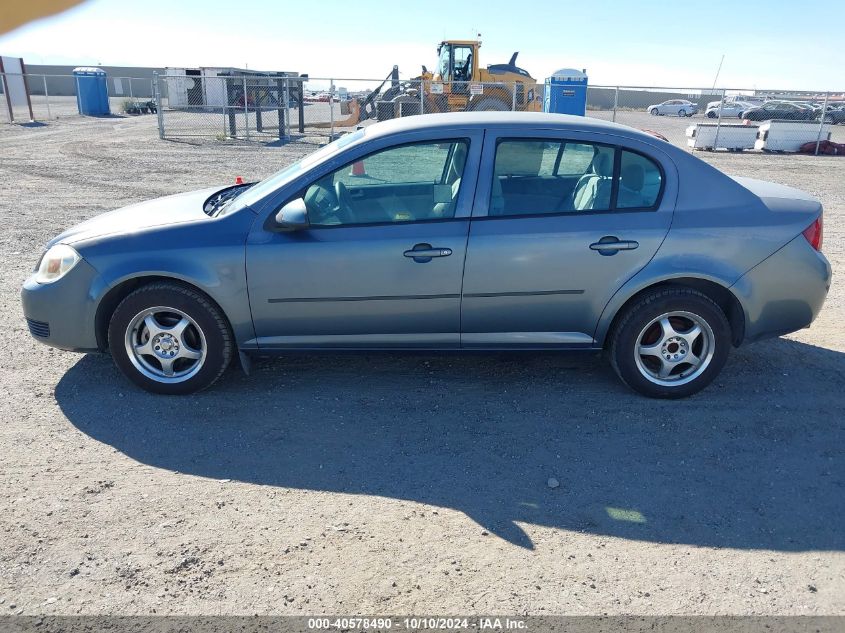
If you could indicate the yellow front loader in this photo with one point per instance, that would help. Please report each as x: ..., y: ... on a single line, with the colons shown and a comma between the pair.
x: 457, y: 84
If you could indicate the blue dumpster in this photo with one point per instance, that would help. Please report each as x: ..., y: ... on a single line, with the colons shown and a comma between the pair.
x: 566, y: 92
x: 92, y: 91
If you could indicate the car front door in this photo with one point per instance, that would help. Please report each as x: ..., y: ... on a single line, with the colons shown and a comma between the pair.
x: 543, y: 262
x: 380, y: 263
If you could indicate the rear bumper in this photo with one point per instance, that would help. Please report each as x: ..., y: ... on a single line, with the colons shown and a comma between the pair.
x: 61, y: 314
x: 785, y: 292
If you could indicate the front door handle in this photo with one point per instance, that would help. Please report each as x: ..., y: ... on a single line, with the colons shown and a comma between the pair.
x: 610, y: 245
x: 422, y: 253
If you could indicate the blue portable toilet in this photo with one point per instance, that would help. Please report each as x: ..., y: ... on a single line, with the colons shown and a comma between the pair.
x: 565, y: 92
x: 92, y: 91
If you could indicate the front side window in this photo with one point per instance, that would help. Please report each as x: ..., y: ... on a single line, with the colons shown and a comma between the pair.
x: 443, y: 62
x: 407, y: 183
x: 536, y: 177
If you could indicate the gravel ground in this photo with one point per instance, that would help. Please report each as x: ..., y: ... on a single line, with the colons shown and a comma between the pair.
x: 402, y: 484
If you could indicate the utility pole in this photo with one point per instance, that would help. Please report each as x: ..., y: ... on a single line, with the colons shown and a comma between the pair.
x: 718, y: 70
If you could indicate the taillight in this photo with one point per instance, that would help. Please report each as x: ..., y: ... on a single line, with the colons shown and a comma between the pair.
x: 813, y: 233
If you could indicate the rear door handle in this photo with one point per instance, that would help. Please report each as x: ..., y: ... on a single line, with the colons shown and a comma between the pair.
x: 422, y: 253
x: 610, y: 245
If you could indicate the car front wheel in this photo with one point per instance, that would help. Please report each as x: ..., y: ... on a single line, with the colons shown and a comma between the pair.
x: 671, y: 343
x: 170, y: 339
x: 654, y: 112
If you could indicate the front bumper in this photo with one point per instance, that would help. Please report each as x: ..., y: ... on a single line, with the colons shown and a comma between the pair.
x: 785, y: 292
x: 62, y: 314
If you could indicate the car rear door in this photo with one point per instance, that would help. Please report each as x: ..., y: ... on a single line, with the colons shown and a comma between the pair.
x: 364, y: 279
x: 542, y: 276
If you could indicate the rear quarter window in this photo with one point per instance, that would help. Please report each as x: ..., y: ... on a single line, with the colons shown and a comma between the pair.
x: 640, y: 182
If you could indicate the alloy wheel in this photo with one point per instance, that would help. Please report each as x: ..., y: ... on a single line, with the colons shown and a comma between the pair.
x: 165, y: 344
x: 674, y: 348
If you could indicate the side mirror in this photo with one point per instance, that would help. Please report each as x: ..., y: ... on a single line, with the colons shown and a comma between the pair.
x: 293, y: 216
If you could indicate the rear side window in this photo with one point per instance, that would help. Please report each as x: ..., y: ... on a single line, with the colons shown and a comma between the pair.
x: 640, y: 182
x: 544, y: 177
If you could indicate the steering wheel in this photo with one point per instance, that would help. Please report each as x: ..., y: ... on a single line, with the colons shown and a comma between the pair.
x: 344, y: 202
x: 321, y: 202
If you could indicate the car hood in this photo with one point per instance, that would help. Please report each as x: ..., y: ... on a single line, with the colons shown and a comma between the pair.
x: 175, y: 209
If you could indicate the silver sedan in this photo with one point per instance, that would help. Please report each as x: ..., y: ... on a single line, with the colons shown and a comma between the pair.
x: 675, y: 107
x: 448, y: 232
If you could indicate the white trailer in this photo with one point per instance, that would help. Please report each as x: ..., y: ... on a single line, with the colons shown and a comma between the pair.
x: 789, y: 136
x: 177, y: 87
x: 214, y: 87
x: 197, y: 87
x: 733, y: 137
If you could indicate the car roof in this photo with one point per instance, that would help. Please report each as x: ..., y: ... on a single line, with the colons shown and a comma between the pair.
x: 489, y: 120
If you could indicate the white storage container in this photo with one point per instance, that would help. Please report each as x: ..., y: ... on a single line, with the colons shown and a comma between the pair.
x: 731, y: 136
x: 789, y: 136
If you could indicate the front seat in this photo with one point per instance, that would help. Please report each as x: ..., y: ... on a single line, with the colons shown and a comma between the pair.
x: 593, y: 189
x: 447, y: 209
x: 456, y: 167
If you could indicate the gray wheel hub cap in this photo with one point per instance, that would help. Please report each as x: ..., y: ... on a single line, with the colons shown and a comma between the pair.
x: 165, y: 344
x: 674, y: 348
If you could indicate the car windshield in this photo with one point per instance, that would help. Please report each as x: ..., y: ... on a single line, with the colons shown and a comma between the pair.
x: 268, y: 185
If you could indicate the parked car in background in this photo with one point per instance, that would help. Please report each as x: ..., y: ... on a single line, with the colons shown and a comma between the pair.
x: 445, y: 232
x: 728, y: 109
x: 749, y: 99
x: 815, y: 107
x: 834, y: 115
x: 676, y: 107
x: 779, y: 110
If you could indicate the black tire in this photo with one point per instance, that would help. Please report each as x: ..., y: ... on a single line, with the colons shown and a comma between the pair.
x: 406, y: 105
x: 654, y: 112
x: 634, y: 323
x: 489, y: 104
x: 711, y: 114
x: 207, y: 327
x: 682, y: 112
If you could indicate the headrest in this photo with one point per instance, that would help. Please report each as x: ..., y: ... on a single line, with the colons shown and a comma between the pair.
x: 633, y: 177
x: 603, y: 165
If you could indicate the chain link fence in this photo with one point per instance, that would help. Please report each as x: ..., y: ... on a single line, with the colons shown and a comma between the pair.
x: 54, y: 96
x: 267, y: 107
x: 724, y: 119
x: 249, y: 106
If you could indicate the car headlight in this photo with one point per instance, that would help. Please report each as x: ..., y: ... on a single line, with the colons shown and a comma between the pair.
x: 56, y: 263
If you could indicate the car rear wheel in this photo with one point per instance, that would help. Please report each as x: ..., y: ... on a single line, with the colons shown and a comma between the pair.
x: 671, y: 343
x: 170, y: 339
x: 682, y: 112
x: 711, y: 114
x: 654, y: 112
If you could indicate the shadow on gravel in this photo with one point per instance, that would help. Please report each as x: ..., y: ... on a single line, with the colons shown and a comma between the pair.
x: 754, y: 462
